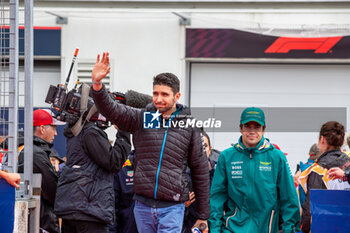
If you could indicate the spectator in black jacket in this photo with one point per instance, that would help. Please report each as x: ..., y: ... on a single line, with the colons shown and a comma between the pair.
x: 85, y: 196
x: 339, y: 173
x: 44, y: 134
x: 124, y: 203
x: 165, y: 145
x: 315, y: 177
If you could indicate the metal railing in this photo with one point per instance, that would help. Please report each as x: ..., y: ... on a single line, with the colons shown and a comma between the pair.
x: 16, y: 93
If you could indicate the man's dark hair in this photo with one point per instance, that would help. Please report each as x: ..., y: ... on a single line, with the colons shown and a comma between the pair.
x: 334, y: 133
x: 167, y: 79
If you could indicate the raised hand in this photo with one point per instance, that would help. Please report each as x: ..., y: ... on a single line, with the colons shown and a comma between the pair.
x: 100, y: 70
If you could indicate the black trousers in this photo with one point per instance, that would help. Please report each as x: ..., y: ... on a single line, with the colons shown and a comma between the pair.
x: 74, y: 226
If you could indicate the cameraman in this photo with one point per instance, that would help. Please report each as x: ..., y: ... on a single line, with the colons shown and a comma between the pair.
x: 85, y: 196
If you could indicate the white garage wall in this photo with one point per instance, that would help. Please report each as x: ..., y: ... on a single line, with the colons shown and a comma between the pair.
x: 141, y: 45
x: 275, y: 85
x: 313, y: 22
x: 270, y: 85
x: 148, y: 41
x: 144, y: 42
x: 42, y: 79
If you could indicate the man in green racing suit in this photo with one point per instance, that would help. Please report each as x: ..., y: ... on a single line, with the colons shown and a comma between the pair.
x: 252, y: 184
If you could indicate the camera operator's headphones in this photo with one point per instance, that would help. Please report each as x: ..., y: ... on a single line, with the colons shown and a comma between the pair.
x: 78, y: 126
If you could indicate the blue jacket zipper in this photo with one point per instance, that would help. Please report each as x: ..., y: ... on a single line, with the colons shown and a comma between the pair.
x: 159, y: 164
x: 161, y: 152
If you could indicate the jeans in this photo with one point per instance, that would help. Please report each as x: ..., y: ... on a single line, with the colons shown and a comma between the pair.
x: 168, y: 219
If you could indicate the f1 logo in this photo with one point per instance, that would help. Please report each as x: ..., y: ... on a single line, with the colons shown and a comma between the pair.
x: 286, y: 44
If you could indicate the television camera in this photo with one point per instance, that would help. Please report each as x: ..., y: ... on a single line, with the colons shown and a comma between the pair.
x: 70, y: 106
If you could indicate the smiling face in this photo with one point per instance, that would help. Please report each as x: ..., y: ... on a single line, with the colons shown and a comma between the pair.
x: 164, y: 99
x: 252, y: 133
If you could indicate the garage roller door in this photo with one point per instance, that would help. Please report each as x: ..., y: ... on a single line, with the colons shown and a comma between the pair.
x: 270, y: 85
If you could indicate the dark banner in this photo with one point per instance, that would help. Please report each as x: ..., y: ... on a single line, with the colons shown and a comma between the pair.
x: 229, y: 43
x: 47, y: 41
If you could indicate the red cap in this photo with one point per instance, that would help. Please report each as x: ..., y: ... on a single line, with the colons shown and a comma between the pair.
x: 43, y: 117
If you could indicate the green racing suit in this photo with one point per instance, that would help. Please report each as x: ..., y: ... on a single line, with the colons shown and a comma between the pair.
x: 249, y: 189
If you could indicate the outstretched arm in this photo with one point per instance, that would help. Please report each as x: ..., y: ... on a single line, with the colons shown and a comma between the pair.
x: 198, y: 164
x: 100, y: 70
x: 338, y: 173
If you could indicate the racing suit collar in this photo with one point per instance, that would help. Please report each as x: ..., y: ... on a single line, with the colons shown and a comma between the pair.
x: 263, y: 144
